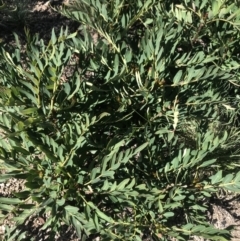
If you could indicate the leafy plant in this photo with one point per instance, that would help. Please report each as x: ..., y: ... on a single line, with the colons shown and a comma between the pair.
x: 128, y: 135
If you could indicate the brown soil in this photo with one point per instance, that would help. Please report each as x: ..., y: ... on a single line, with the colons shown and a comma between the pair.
x: 41, y: 19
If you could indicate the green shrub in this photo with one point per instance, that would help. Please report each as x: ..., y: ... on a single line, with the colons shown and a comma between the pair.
x: 129, y: 135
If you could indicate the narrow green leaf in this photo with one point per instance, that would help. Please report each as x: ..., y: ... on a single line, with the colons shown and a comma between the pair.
x: 131, y: 184
x: 29, y: 96
x: 77, y: 225
x: 208, y: 163
x: 72, y: 35
x: 87, y: 212
x: 67, y: 88
x: 168, y: 214
x: 108, y: 174
x: 237, y: 178
x: 23, y: 194
x: 77, y: 84
x: 141, y: 187
x: 105, y: 185
x: 115, y: 166
x: 113, y: 187
x: 105, y: 161
x: 167, y: 167
x: 47, y: 223
x: 7, y: 200
x: 175, y: 162
x: 178, y: 77
x: 5, y: 207
x: 104, y: 216
x: 198, y: 228
x: 71, y: 209
x: 140, y: 148
x: 95, y: 219
x: 216, y: 178
x: 227, y: 179
x: 20, y: 126
x: 53, y: 37
x: 179, y: 198
x: 122, y: 184
x: 94, y: 172
x: 20, y: 219
x: 60, y: 202
x: 29, y: 111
